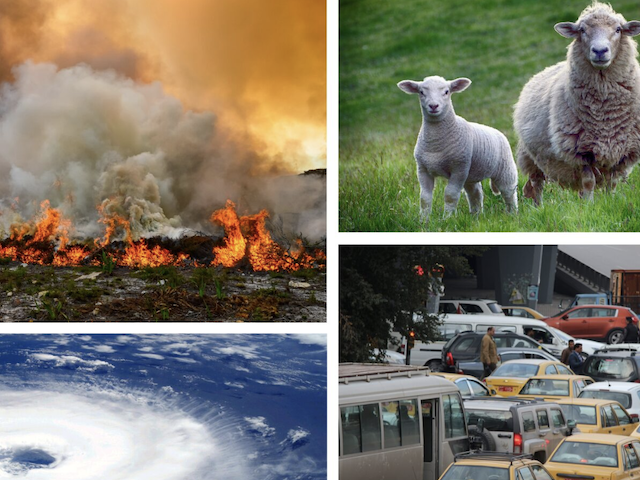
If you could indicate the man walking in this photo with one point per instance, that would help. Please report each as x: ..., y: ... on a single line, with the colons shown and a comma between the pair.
x: 564, y: 357
x: 630, y: 332
x: 489, y: 352
x: 575, y: 359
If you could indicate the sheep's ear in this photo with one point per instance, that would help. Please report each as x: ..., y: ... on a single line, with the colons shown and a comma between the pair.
x: 567, y: 29
x: 459, y: 84
x: 409, y: 86
x: 631, y: 29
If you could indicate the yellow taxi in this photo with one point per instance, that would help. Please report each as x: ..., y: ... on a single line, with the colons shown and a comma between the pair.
x: 636, y: 432
x: 520, y: 311
x: 596, y: 415
x: 595, y: 456
x: 469, y: 385
x: 495, y: 466
x: 508, y: 378
x: 554, y: 387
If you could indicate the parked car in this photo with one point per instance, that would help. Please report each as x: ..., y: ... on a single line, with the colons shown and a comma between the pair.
x: 470, y: 306
x: 520, y: 311
x: 494, y: 465
x: 476, y: 368
x: 465, y: 347
x: 597, y: 456
x: 626, y: 394
x: 588, y: 346
x: 508, y: 378
x: 597, y: 322
x: 515, y: 425
x: 619, y: 364
x: 554, y: 387
x: 469, y: 385
x: 388, y: 356
x: 595, y: 415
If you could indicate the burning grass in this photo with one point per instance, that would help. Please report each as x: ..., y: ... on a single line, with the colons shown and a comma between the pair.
x: 165, y: 293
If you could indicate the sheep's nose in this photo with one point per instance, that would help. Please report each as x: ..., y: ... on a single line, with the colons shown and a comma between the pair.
x: 599, y: 51
x: 433, y: 106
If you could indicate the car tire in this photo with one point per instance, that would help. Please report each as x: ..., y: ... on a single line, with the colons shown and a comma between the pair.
x: 482, y: 438
x: 615, y: 336
x: 435, y: 365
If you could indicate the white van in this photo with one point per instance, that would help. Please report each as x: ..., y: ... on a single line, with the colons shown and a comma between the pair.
x: 429, y: 354
x: 397, y: 421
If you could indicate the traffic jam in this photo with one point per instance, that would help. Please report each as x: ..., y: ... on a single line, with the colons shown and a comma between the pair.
x: 515, y: 396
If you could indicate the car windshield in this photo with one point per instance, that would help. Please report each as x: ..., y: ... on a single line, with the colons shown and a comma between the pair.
x: 584, y: 414
x: 545, y: 386
x: 609, y: 367
x: 622, y: 398
x: 520, y: 370
x: 494, y: 421
x: 475, y: 472
x: 494, y: 307
x: 584, y: 453
x: 563, y: 336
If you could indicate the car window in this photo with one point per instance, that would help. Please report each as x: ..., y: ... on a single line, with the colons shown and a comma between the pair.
x: 550, y: 370
x: 361, y: 428
x: 449, y: 331
x: 585, y: 453
x: 528, y: 424
x: 477, y: 388
x: 603, y: 312
x: 631, y: 460
x: 609, y: 367
x: 471, y: 308
x: 540, y: 473
x: 494, y: 307
x: 580, y: 413
x: 515, y: 369
x: 545, y: 386
x: 543, y: 418
x: 453, y: 417
x: 636, y: 447
x: 622, y: 398
x: 579, y: 385
x: 557, y: 418
x: 494, y: 421
x: 465, y: 345
x: 510, y: 356
x: 525, y: 473
x: 562, y: 370
x: 409, y: 423
x: 579, y: 313
x: 457, y: 471
x: 608, y: 418
x: 623, y: 417
x: 463, y: 385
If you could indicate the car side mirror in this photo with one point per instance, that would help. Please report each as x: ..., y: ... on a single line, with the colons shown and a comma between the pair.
x: 635, y: 419
x: 565, y: 317
x: 493, y: 393
x: 571, y: 424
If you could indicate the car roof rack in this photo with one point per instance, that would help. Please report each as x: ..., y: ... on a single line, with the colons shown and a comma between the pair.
x: 492, y: 455
x: 617, y: 349
x: 512, y: 399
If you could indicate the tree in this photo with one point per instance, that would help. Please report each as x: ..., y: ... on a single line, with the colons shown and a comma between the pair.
x: 382, y: 288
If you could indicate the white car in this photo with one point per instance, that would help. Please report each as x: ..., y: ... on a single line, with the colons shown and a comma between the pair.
x: 391, y: 357
x: 626, y: 394
x: 588, y: 346
x: 470, y: 306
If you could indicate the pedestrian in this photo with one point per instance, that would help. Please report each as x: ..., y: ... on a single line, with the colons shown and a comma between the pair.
x: 576, y: 360
x: 489, y: 352
x: 564, y: 357
x: 630, y: 332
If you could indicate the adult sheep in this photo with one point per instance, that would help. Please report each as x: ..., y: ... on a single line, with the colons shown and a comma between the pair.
x: 578, y: 121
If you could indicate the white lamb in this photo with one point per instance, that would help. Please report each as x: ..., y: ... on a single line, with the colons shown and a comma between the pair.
x: 578, y: 121
x: 463, y: 152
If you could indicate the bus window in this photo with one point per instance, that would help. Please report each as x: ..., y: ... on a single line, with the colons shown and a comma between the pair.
x: 361, y: 428
x: 390, y: 412
x: 454, y: 424
x: 409, y: 423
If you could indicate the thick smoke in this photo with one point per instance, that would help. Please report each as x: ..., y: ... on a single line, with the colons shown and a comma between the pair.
x: 85, y: 138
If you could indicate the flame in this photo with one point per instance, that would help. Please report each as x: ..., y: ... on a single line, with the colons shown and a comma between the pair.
x: 248, y: 236
x: 45, y: 241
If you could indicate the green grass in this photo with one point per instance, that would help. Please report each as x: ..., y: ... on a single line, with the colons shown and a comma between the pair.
x: 499, y: 45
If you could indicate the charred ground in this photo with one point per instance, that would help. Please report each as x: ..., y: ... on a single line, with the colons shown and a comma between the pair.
x: 162, y: 294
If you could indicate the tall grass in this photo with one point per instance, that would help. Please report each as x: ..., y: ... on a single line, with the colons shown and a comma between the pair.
x: 499, y: 45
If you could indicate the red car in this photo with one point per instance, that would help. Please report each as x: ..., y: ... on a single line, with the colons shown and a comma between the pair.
x: 597, y: 322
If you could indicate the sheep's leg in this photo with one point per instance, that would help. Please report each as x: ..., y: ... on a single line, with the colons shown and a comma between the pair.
x: 474, y: 197
x: 452, y: 195
x: 426, y: 181
x: 535, y: 183
x: 588, y: 183
x: 510, y: 196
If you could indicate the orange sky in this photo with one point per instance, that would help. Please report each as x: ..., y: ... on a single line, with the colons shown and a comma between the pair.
x: 259, y: 66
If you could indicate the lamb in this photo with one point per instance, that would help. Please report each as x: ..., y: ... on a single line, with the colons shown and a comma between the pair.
x: 463, y: 152
x: 578, y: 121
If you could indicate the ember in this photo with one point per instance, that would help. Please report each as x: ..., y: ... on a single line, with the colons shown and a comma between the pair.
x: 45, y: 241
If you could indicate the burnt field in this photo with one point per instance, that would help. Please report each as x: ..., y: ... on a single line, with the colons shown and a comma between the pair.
x: 37, y: 293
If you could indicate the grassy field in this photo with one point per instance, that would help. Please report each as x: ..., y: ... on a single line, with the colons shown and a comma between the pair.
x: 499, y: 45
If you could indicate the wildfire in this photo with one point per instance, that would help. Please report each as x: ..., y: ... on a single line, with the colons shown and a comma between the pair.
x: 45, y: 241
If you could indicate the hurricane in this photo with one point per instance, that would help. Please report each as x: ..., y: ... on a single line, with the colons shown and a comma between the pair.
x: 163, y: 407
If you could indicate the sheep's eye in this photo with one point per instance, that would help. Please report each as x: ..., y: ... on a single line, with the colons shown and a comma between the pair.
x: 446, y: 92
x: 618, y: 30
x: 582, y: 30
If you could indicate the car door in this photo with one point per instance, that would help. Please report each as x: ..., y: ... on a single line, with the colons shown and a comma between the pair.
x: 544, y: 428
x: 576, y: 322
x: 610, y: 421
x: 625, y: 423
x: 603, y: 319
x: 631, y: 459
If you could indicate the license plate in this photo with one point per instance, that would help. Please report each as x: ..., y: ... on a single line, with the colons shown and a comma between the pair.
x: 505, y: 389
